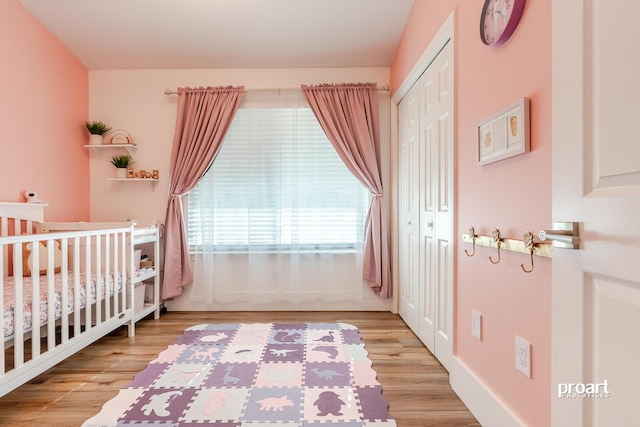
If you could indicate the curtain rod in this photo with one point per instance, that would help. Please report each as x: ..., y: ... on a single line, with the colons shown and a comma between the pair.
x: 383, y: 88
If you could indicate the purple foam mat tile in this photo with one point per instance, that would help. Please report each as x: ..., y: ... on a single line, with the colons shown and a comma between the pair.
x: 374, y: 405
x: 188, y: 337
x: 327, y: 374
x: 287, y: 336
x: 200, y: 353
x: 166, y: 405
x: 284, y: 353
x: 232, y: 375
x: 350, y: 336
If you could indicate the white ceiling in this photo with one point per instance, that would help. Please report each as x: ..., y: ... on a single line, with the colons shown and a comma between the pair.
x: 174, y: 34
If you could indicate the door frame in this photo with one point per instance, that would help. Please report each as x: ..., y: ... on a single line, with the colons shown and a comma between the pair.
x: 444, y: 35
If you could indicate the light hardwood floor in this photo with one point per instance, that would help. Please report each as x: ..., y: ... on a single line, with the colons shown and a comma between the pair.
x: 414, y: 383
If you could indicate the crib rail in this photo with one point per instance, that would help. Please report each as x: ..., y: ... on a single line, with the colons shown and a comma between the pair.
x: 77, y: 292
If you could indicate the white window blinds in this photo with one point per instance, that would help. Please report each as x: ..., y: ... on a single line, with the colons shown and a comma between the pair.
x: 276, y: 185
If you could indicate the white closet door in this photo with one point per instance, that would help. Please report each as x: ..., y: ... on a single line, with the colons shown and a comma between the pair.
x: 408, y: 195
x: 436, y: 210
x: 425, y: 145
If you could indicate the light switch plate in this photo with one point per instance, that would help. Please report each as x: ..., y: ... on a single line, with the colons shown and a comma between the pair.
x: 523, y: 356
x: 476, y: 325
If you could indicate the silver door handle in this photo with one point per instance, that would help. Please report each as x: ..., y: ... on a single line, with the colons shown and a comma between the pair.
x: 564, y: 235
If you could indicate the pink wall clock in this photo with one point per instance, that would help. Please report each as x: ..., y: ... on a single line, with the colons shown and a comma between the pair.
x: 499, y: 20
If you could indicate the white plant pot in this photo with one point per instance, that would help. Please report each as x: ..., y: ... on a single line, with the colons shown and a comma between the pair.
x: 95, y: 139
x: 121, y: 172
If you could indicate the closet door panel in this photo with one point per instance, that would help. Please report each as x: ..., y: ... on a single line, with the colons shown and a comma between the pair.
x: 428, y: 134
x: 428, y: 204
x: 444, y: 300
x: 444, y: 226
x: 428, y: 302
x: 408, y: 199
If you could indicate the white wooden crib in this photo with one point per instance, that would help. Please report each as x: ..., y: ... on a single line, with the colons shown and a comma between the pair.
x: 63, y: 290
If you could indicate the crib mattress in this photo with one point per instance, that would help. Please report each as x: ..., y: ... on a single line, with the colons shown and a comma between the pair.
x: 43, y: 304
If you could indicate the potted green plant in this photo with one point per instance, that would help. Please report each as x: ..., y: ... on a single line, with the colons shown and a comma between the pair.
x: 121, y: 163
x: 96, y: 131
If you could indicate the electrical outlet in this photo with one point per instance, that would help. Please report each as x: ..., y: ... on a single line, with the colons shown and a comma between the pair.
x: 523, y: 356
x: 476, y: 325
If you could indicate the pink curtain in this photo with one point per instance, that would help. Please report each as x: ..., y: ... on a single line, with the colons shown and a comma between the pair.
x: 349, y: 116
x: 204, y: 116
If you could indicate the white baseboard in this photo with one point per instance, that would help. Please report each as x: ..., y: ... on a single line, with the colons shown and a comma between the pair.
x: 488, y: 409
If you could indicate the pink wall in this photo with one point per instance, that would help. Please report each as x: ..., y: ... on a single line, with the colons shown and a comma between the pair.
x: 513, y: 195
x: 43, y: 106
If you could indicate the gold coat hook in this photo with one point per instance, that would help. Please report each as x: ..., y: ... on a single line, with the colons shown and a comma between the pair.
x: 529, y: 244
x: 472, y: 233
x: 495, y: 235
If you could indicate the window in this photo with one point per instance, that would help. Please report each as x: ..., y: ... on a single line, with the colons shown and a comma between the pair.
x: 277, y: 184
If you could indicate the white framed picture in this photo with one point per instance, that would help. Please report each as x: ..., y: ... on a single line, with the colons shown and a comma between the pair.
x: 505, y: 134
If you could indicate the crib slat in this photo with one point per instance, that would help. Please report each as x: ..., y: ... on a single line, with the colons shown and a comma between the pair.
x: 64, y: 270
x: 124, y: 280
x: 88, y: 275
x: 114, y: 274
x: 51, y: 299
x: 107, y: 275
x: 18, y: 306
x: 35, y: 301
x: 76, y: 286
x: 122, y: 276
x: 99, y: 287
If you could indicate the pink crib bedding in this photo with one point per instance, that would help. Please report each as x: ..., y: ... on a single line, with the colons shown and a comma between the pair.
x: 27, y: 315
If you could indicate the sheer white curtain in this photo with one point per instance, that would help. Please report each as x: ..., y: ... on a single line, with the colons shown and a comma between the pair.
x: 278, y: 217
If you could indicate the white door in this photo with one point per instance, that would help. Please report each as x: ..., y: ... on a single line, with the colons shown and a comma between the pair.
x: 596, y: 181
x: 425, y: 215
x: 435, y: 209
x: 408, y: 199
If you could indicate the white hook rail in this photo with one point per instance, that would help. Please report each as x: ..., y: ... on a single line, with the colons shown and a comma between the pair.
x: 513, y: 245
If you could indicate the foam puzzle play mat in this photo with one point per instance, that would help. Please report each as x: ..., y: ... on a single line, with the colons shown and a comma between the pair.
x: 260, y: 374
